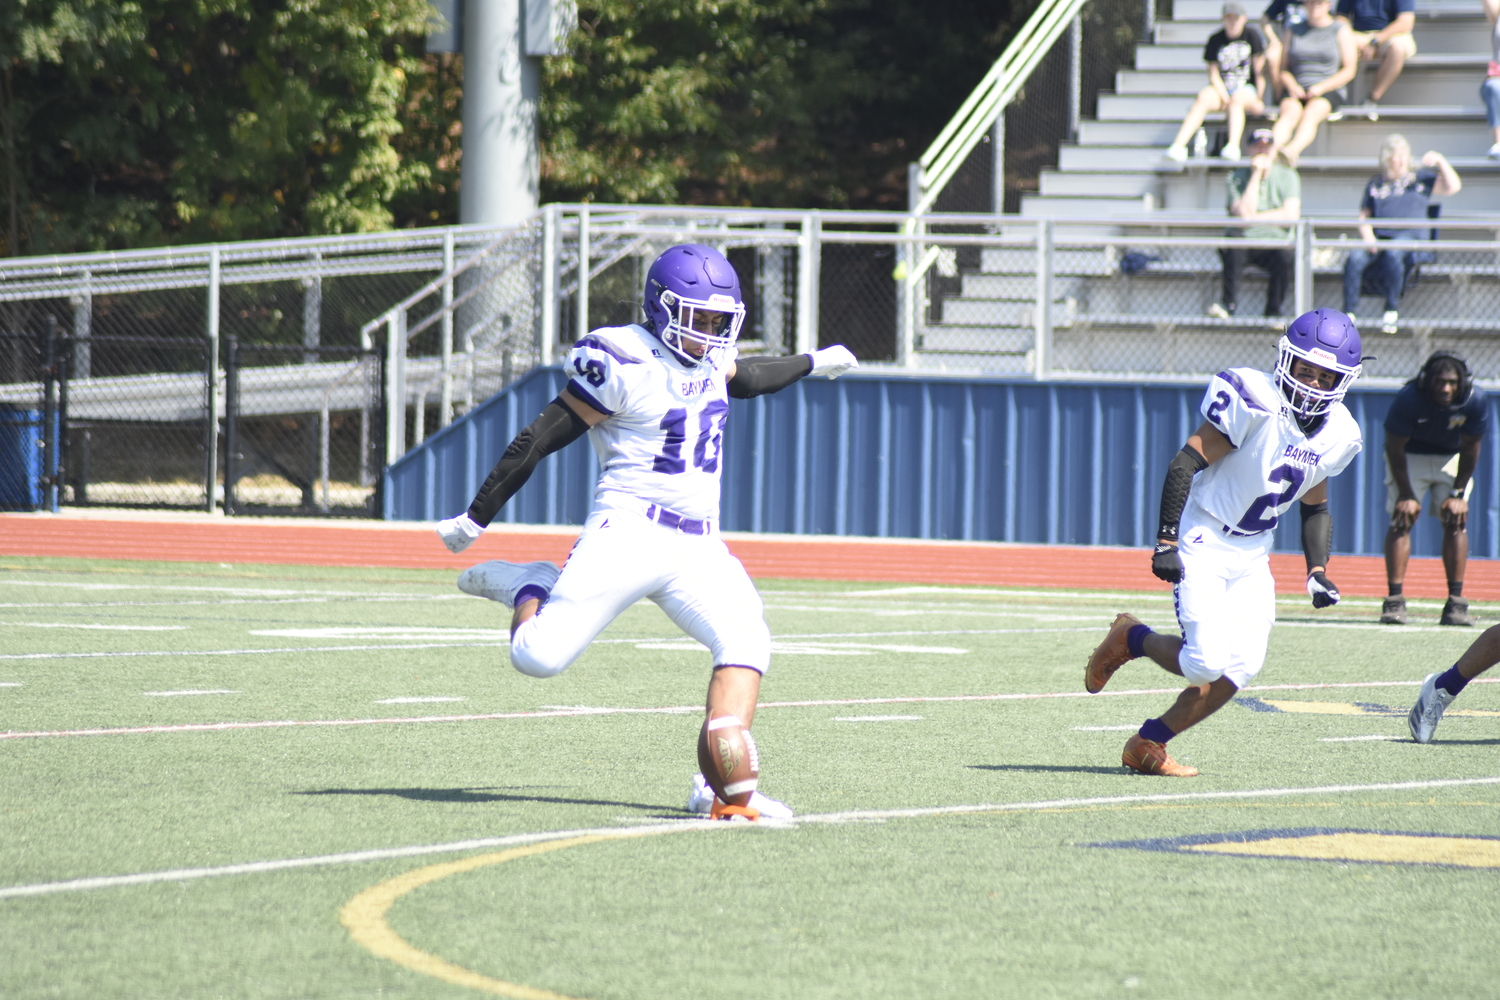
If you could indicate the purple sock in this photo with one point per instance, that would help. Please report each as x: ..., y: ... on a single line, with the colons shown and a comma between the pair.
x: 1452, y: 681
x: 1156, y: 731
x: 531, y: 592
x: 1135, y: 637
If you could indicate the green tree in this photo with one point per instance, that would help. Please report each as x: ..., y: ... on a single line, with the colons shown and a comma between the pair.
x: 809, y: 103
x: 171, y: 121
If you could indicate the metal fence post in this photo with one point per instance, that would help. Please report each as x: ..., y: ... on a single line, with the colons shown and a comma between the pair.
x: 1148, y: 22
x: 211, y: 434
x: 1302, y: 291
x: 1042, y: 318
x: 445, y: 403
x: 548, y: 338
x: 911, y: 296
x: 581, y: 327
x: 809, y: 270
x: 1075, y: 75
x: 997, y: 158
x: 395, y: 385
x: 50, y: 431
x: 231, y: 421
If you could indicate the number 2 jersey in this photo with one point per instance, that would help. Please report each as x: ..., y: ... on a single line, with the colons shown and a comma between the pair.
x: 1273, y: 462
x: 662, y: 441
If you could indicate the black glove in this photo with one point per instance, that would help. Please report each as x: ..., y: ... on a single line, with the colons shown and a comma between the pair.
x: 1166, y: 563
x: 1324, y: 593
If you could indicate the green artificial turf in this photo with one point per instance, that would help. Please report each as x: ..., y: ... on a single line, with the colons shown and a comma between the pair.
x: 1016, y: 900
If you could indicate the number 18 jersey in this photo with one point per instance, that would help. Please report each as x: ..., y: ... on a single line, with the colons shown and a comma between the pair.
x: 1273, y: 462
x: 661, y: 442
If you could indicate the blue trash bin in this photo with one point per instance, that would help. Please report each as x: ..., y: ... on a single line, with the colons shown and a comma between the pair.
x: 20, y: 458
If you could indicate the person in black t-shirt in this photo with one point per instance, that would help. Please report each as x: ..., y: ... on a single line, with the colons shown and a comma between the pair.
x: 1397, y: 192
x: 1236, y: 83
x: 1432, y: 436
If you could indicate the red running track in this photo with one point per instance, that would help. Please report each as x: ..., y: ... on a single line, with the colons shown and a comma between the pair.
x: 202, y: 538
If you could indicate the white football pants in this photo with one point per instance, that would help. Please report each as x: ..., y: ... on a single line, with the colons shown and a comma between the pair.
x: 622, y: 557
x: 1226, y: 602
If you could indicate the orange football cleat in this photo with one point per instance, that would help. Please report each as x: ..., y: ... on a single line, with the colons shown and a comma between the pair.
x: 1110, y: 655
x: 1150, y: 757
x: 741, y: 813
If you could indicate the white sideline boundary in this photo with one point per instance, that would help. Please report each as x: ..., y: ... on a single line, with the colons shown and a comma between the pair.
x: 850, y: 816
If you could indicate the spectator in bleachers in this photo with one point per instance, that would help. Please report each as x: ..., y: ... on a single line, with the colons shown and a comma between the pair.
x: 1265, y: 191
x: 1382, y: 30
x: 1278, y: 16
x: 1397, y: 192
x: 1490, y: 88
x: 1319, y: 61
x: 1236, y: 83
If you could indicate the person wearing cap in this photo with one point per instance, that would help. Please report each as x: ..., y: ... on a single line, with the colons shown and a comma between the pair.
x: 1236, y: 83
x: 1265, y: 192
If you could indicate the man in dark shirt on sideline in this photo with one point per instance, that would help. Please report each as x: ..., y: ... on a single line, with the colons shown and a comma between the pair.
x: 1432, y: 436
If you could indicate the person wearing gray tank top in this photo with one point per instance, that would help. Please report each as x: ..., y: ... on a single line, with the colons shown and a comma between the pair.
x: 1321, y: 59
x: 1490, y: 88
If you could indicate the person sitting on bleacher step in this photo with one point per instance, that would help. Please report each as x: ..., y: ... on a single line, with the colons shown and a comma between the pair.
x: 1266, y: 190
x: 1382, y: 30
x: 1320, y: 59
x: 1236, y: 83
x: 1397, y: 192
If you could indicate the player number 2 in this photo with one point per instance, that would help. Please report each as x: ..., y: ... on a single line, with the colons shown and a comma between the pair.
x: 705, y: 452
x: 1218, y: 406
x: 1256, y: 518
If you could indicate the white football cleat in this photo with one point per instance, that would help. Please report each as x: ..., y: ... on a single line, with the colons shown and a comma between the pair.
x: 701, y: 801
x: 701, y: 798
x: 833, y: 361
x: 1428, y: 711
x: 458, y: 533
x: 501, y: 581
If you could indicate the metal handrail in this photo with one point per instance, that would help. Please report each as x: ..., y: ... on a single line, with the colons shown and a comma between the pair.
x: 980, y: 109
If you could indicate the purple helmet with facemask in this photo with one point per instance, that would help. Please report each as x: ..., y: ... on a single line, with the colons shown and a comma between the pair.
x: 1326, y: 338
x: 693, y: 293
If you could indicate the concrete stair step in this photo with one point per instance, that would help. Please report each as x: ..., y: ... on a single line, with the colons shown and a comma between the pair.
x: 1171, y: 56
x: 1017, y: 287
x: 1455, y: 31
x: 1022, y: 261
x: 1085, y: 207
x: 1172, y: 107
x: 1205, y: 10
x: 1114, y: 183
x: 979, y: 340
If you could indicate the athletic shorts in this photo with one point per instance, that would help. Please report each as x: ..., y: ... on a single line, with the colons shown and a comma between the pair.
x: 1427, y: 472
x: 622, y: 557
x: 1334, y: 98
x: 1226, y: 601
x: 1403, y: 41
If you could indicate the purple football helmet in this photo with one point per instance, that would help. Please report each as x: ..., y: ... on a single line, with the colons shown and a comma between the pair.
x: 1326, y: 338
x: 693, y: 293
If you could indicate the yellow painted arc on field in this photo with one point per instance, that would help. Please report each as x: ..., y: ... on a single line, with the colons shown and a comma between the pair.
x: 364, y: 915
x: 364, y: 918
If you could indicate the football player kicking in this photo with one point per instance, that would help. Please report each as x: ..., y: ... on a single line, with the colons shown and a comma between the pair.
x: 1439, y: 689
x: 1266, y: 441
x: 653, y: 399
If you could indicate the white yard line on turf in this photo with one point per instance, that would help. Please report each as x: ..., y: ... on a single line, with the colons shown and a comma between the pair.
x: 109, y: 628
x: 242, y: 591
x: 877, y: 718
x: 569, y: 711
x: 216, y: 604
x: 1355, y: 739
x: 181, y: 694
x: 684, y: 825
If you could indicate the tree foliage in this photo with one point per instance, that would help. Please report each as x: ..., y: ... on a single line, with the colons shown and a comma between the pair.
x: 165, y: 121
x: 815, y: 103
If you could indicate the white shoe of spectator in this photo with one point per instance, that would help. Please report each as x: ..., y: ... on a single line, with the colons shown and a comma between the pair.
x: 1336, y: 115
x: 1177, y: 153
x: 1229, y: 153
x: 1494, y: 152
x: 1219, y: 312
x: 1372, y: 110
x: 1389, y: 321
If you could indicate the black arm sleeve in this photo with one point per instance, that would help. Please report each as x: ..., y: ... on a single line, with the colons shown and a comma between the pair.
x: 1174, y: 491
x: 758, y: 376
x: 1317, y: 533
x: 556, y: 428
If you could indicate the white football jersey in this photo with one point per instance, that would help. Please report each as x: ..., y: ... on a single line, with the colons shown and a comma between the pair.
x: 665, y: 430
x: 1273, y: 463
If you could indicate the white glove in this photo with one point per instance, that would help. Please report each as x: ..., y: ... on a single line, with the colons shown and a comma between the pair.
x: 833, y: 361
x: 458, y: 533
